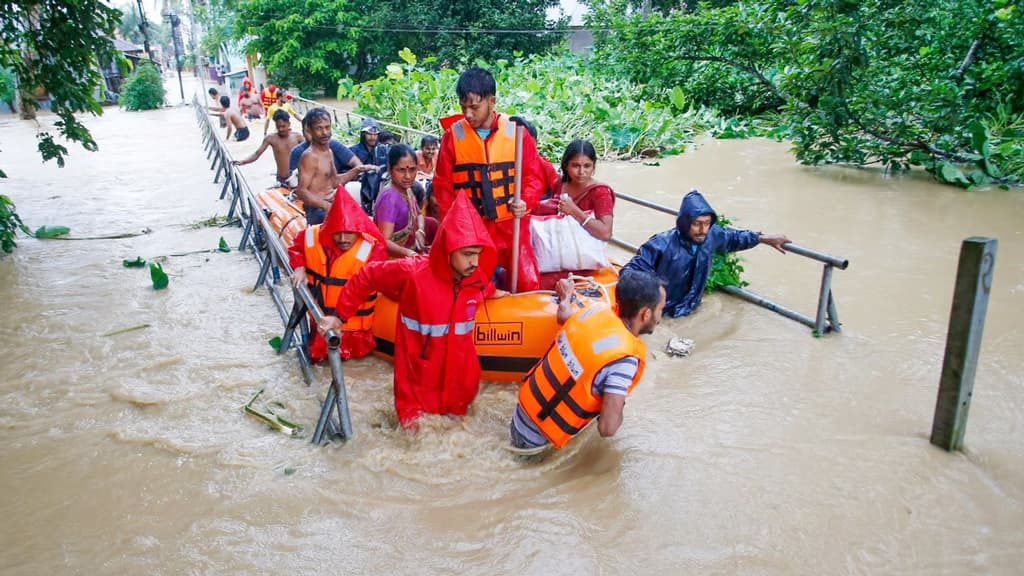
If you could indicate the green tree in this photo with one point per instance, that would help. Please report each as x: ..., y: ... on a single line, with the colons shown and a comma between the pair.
x: 130, y: 29
x: 144, y: 89
x: 488, y: 30
x: 306, y: 43
x: 931, y: 83
x: 314, y: 43
x: 56, y: 45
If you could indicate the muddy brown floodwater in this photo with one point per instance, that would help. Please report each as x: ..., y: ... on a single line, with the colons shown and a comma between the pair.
x: 767, y: 451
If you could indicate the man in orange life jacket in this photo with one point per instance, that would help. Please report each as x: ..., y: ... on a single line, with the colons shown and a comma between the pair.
x: 325, y: 256
x: 477, y: 159
x: 436, y: 367
x: 595, y: 362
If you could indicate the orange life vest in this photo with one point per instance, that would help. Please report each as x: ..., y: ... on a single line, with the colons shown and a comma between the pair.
x: 268, y: 97
x: 557, y: 393
x: 325, y: 287
x: 486, y: 170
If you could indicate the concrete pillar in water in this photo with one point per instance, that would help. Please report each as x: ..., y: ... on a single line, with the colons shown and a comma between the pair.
x: 963, y: 341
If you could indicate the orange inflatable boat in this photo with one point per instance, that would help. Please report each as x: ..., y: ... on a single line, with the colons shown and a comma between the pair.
x: 511, y: 333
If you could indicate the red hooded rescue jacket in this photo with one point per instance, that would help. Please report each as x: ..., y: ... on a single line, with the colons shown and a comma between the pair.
x: 436, y: 367
x: 345, y: 215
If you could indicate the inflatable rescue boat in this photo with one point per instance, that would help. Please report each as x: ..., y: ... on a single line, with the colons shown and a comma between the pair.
x: 511, y: 333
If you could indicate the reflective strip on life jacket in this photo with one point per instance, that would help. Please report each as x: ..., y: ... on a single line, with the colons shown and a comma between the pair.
x: 326, y: 287
x: 486, y: 169
x: 558, y: 393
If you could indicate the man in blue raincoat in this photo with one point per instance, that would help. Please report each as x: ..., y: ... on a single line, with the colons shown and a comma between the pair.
x: 682, y: 256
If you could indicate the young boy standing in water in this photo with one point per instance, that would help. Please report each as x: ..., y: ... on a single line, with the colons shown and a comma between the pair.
x: 281, y: 142
x: 234, y: 120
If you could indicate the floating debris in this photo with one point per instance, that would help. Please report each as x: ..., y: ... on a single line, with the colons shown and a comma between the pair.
x: 680, y: 347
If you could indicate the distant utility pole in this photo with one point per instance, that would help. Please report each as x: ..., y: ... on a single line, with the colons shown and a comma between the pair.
x: 144, y: 27
x: 176, y: 36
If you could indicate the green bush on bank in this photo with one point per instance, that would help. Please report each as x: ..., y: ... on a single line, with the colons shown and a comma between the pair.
x: 144, y: 89
x: 564, y: 96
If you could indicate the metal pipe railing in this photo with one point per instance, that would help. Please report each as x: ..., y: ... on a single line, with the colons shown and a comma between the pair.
x: 405, y: 131
x: 826, y: 319
x: 275, y: 256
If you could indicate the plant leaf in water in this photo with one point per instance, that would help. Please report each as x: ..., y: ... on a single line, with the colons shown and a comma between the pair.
x: 289, y: 471
x: 137, y: 263
x: 275, y: 343
x: 156, y: 272
x: 223, y: 245
x: 51, y: 231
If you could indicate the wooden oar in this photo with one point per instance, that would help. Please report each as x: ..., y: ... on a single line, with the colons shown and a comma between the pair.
x: 515, y: 198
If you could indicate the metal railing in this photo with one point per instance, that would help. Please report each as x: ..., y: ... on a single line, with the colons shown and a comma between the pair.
x: 826, y: 318
x: 350, y: 122
x: 260, y: 237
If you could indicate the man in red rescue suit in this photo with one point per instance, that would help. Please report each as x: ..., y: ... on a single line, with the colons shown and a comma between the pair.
x: 595, y: 362
x: 436, y: 367
x: 477, y: 159
x: 326, y: 256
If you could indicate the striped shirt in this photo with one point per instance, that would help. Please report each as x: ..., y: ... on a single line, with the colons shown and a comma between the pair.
x: 614, y: 378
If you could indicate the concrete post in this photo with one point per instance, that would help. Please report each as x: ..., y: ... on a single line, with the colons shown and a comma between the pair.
x: 963, y: 341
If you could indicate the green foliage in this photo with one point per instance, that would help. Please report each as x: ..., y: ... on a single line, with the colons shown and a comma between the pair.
x: 712, y: 56
x: 130, y: 29
x: 312, y: 44
x: 49, y: 232
x: 8, y: 85
x: 10, y: 223
x: 410, y: 24
x: 144, y: 89
x: 158, y: 276
x: 725, y: 268
x: 899, y: 84
x: 564, y: 96
x: 57, y: 45
x: 304, y: 43
x: 219, y: 19
x: 137, y: 263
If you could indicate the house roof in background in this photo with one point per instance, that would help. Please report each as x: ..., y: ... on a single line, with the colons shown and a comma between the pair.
x: 124, y: 46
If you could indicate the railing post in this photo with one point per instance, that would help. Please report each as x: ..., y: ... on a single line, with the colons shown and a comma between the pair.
x: 963, y: 341
x: 823, y: 298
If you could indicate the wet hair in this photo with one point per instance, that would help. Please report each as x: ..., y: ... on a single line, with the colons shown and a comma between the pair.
x: 281, y: 115
x: 526, y: 124
x: 477, y: 81
x: 315, y: 115
x: 428, y: 140
x: 225, y: 101
x: 386, y: 137
x: 213, y: 92
x: 635, y: 291
x: 577, y: 148
x: 399, y: 151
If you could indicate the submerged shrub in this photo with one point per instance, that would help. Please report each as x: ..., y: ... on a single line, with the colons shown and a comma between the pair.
x: 144, y: 89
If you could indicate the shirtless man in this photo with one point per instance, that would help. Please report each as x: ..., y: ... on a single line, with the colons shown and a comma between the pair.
x: 234, y: 119
x: 318, y: 178
x: 281, y: 142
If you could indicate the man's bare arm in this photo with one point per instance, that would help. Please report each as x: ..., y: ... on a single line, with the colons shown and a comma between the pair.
x: 611, y: 414
x: 255, y: 155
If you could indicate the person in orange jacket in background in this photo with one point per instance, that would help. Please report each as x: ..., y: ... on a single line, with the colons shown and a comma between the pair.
x: 477, y: 160
x: 436, y: 367
x: 326, y: 256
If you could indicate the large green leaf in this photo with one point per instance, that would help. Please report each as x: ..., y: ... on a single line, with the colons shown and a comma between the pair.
x: 51, y: 231
x: 159, y: 277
